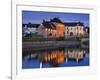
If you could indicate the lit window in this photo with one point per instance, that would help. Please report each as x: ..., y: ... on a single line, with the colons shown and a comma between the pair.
x: 54, y: 30
x: 46, y: 29
x: 67, y: 32
x: 49, y: 30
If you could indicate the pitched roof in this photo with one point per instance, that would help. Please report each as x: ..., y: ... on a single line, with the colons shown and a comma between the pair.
x: 74, y: 24
x: 31, y: 25
x: 56, y: 20
x: 49, y: 24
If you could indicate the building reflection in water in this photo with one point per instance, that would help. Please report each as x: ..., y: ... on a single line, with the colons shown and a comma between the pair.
x: 56, y: 57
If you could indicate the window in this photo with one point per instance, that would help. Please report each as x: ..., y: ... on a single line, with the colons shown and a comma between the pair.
x: 80, y: 28
x: 77, y: 27
x: 71, y: 33
x: 50, y: 34
x: 67, y: 32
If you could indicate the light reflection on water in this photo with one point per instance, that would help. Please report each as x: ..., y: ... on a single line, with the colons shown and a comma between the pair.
x: 57, y: 57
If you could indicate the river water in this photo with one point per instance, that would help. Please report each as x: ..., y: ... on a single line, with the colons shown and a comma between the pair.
x: 57, y: 57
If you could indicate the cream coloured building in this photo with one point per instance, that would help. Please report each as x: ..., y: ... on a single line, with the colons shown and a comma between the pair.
x: 74, y: 29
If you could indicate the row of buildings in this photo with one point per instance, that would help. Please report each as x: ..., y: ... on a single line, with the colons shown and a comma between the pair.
x: 56, y: 28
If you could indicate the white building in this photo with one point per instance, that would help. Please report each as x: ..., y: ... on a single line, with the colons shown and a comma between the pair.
x: 29, y: 29
x: 74, y: 29
x: 41, y: 31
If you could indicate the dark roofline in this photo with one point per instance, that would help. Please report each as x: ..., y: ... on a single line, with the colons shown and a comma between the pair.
x: 74, y: 24
x: 56, y: 19
x: 32, y: 25
x: 48, y: 24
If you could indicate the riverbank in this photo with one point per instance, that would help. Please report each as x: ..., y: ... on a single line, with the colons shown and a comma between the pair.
x: 48, y: 44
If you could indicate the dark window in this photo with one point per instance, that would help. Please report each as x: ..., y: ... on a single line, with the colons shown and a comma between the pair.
x: 50, y: 34
x: 71, y: 33
x: 67, y: 32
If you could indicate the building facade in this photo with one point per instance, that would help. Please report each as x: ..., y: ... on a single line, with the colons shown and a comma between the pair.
x: 74, y: 30
x: 52, y: 29
x: 55, y: 28
x: 29, y: 29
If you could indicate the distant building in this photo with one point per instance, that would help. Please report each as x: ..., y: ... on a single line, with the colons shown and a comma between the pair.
x: 56, y: 28
x: 29, y: 29
x: 47, y: 29
x: 60, y: 27
x: 52, y: 28
x: 87, y: 30
x: 74, y: 29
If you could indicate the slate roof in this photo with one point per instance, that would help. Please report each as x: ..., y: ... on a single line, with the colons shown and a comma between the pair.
x: 56, y: 20
x: 31, y: 25
x: 74, y: 24
x: 49, y: 24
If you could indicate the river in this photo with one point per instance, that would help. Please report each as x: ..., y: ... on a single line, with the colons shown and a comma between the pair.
x: 55, y: 57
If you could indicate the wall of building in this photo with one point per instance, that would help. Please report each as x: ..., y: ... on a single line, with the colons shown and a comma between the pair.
x: 60, y: 29
x: 74, y: 31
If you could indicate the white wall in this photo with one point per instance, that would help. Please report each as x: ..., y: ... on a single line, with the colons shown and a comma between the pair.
x: 5, y: 36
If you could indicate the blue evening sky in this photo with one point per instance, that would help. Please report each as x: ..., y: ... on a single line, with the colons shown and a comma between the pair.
x: 37, y: 17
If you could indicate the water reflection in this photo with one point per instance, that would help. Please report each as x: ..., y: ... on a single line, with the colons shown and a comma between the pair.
x: 57, y: 57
